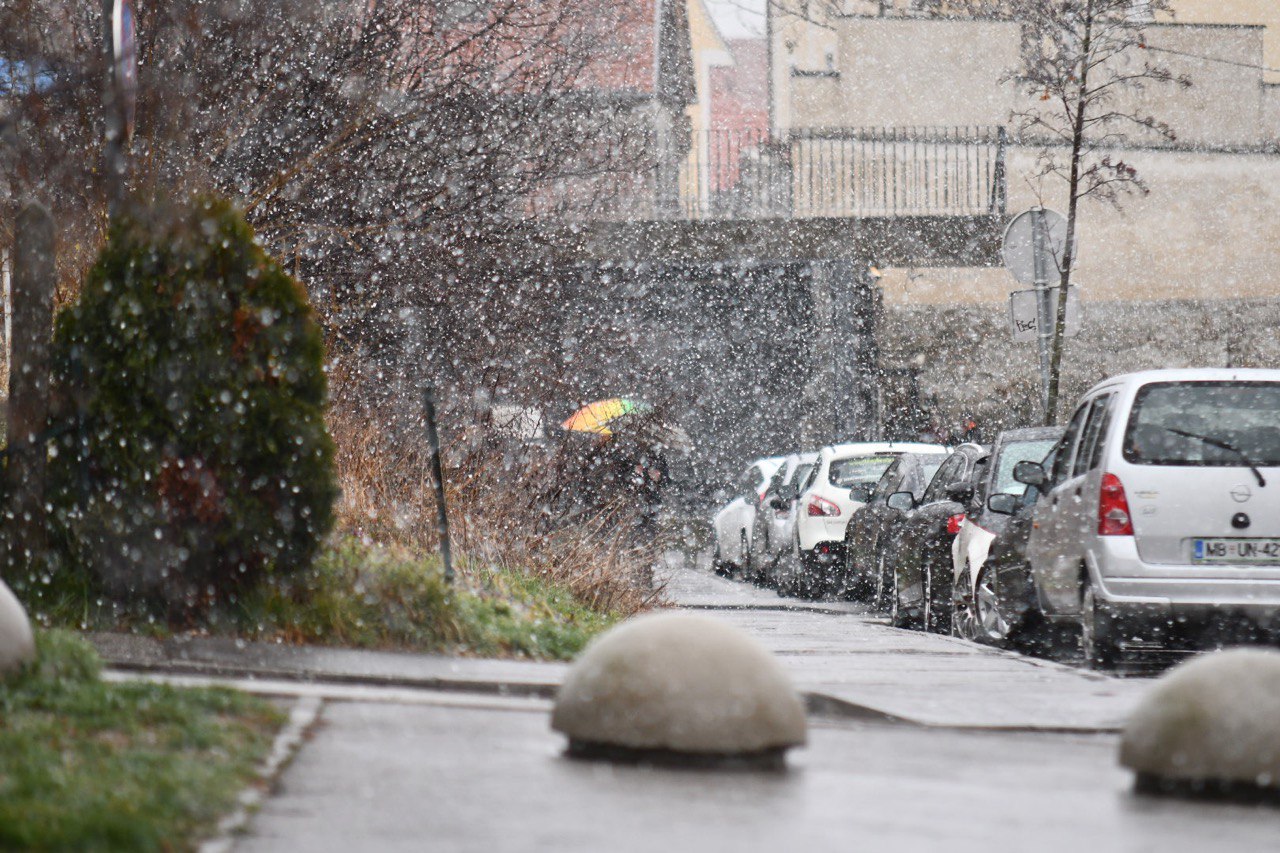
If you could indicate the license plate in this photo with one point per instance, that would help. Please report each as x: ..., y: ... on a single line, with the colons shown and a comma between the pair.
x: 1258, y: 551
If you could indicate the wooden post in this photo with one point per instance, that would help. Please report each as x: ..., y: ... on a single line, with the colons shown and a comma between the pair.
x: 34, y: 276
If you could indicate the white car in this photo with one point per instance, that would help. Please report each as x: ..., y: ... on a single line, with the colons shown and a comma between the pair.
x: 840, y: 483
x: 1159, y: 524
x: 732, y: 524
x: 775, y: 520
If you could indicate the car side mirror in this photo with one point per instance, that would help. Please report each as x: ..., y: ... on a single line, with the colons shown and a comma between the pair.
x: 861, y: 492
x: 961, y: 493
x: 1003, y: 503
x: 902, y: 501
x: 778, y: 502
x: 1030, y: 473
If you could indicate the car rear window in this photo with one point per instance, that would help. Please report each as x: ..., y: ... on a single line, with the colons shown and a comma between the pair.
x: 1013, y: 453
x: 858, y: 469
x: 1205, y: 423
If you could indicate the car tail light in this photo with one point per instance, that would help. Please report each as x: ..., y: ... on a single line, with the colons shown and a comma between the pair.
x: 1113, y: 508
x: 953, y: 524
x: 821, y: 507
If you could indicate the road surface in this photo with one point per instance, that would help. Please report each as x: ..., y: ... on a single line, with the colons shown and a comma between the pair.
x: 918, y: 743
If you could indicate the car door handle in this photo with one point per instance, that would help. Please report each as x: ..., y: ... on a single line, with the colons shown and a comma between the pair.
x: 1079, y: 490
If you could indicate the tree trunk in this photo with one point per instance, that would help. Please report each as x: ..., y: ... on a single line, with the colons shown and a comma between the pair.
x: 1073, y: 205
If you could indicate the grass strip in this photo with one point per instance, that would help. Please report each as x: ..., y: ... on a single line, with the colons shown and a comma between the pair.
x: 367, y: 596
x: 361, y: 595
x: 90, y: 765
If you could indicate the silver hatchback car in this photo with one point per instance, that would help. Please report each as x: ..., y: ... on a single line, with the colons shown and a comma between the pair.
x: 1161, y: 511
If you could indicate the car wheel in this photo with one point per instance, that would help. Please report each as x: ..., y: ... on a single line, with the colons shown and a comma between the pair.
x: 806, y: 585
x: 899, y: 617
x: 1097, y: 640
x: 718, y: 565
x: 856, y: 586
x: 789, y: 569
x: 882, y: 600
x: 937, y: 600
x: 964, y: 622
x: 991, y: 626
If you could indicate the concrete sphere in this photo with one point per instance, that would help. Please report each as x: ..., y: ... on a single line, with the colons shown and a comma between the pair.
x: 1211, y: 724
x: 679, y: 683
x: 17, y: 645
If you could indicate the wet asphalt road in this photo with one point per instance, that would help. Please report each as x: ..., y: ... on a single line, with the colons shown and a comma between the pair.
x: 930, y: 744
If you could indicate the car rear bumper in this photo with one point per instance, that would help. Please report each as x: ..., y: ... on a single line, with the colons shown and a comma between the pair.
x: 813, y: 532
x: 827, y: 556
x: 1121, y: 577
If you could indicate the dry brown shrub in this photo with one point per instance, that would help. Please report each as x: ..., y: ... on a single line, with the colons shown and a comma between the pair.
x: 515, y: 507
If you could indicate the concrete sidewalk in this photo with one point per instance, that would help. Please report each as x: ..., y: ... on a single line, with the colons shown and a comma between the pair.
x: 392, y: 766
x: 390, y: 777
x: 226, y: 658
x: 851, y: 656
x: 849, y: 663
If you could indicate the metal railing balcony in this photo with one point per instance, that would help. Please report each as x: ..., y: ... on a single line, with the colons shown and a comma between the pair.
x: 796, y: 174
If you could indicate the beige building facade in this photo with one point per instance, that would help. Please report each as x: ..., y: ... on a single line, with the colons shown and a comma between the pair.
x: 1250, y: 12
x: 1206, y: 227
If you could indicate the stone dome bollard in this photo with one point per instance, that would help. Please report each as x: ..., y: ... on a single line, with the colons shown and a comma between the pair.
x: 683, y: 689
x: 1211, y: 727
x: 17, y: 645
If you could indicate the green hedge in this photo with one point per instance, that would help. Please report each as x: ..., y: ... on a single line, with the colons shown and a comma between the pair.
x: 190, y: 378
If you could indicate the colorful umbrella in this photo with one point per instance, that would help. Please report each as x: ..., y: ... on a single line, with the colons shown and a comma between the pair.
x: 596, y: 417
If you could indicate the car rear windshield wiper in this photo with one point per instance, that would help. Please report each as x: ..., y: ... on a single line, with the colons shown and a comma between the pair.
x: 1214, y: 442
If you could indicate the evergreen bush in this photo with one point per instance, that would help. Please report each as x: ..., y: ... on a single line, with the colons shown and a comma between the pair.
x: 190, y: 378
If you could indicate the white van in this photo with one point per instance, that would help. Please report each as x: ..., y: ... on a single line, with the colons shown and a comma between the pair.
x: 1161, y: 514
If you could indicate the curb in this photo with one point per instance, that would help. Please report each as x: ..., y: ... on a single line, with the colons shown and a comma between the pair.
x: 302, y: 718
x: 518, y: 689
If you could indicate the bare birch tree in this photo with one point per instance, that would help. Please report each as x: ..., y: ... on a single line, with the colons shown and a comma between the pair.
x: 1085, y: 68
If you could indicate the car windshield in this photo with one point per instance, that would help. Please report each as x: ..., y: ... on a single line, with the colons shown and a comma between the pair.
x: 858, y: 469
x: 1013, y: 453
x: 802, y: 474
x: 1205, y: 423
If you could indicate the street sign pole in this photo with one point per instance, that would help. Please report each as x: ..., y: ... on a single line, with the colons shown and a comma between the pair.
x: 1041, y: 256
x: 1033, y: 250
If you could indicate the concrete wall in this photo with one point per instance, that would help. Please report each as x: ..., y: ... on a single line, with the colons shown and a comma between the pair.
x: 1206, y: 229
x: 803, y: 38
x: 909, y: 71
x: 967, y: 363
x: 903, y: 71
x: 1271, y: 115
x: 1222, y: 108
x: 1264, y: 12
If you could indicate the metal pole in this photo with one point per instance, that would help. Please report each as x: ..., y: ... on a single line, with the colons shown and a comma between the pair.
x: 437, y: 472
x: 1044, y: 310
x: 113, y: 147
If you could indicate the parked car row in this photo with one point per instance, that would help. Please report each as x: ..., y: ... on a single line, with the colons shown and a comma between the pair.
x: 788, y: 530
x: 1151, y: 521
